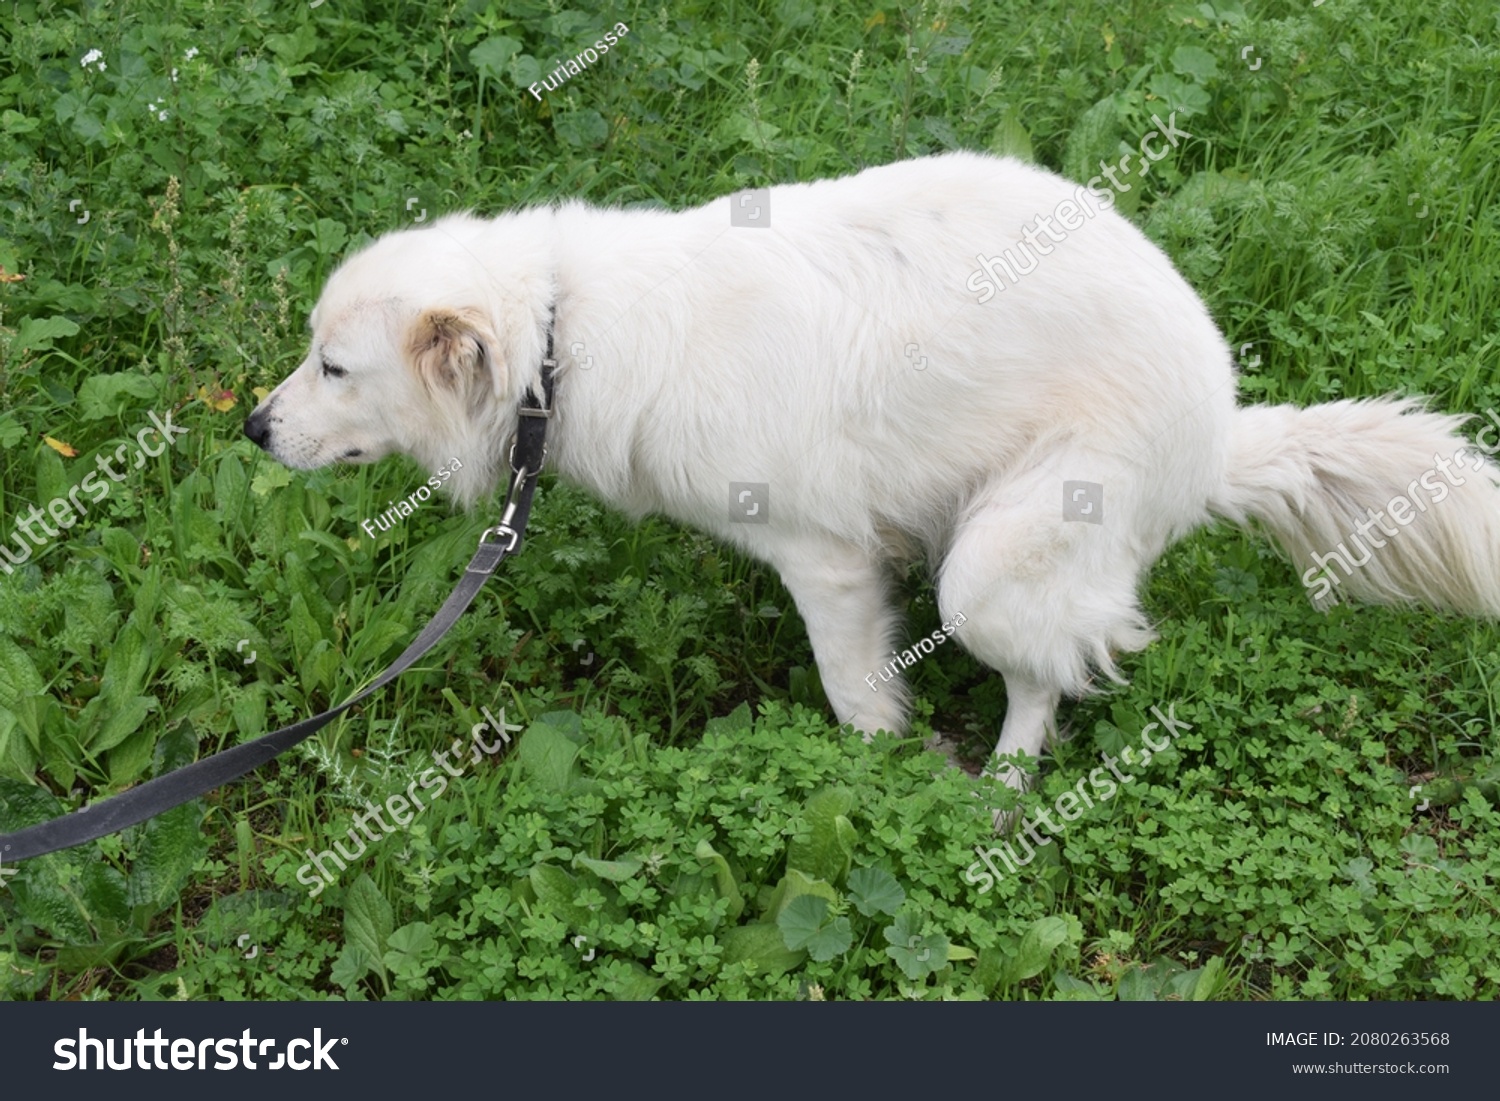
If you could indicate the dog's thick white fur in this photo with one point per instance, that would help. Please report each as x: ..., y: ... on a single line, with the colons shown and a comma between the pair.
x: 694, y: 353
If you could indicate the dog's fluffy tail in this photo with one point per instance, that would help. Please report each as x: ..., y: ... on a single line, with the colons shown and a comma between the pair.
x: 1330, y: 481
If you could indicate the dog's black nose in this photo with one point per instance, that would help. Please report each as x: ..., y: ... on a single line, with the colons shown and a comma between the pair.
x: 258, y: 428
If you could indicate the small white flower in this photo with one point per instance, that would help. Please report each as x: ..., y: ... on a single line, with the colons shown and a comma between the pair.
x: 91, y: 57
x: 174, y: 76
x: 192, y: 52
x: 161, y: 115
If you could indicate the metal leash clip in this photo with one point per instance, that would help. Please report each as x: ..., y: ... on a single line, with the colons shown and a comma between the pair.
x: 503, y: 527
x: 511, y: 459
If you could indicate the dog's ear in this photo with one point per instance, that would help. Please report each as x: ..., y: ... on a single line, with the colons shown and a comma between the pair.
x: 454, y: 350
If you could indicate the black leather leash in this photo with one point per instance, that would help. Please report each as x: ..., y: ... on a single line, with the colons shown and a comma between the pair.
x: 177, y: 787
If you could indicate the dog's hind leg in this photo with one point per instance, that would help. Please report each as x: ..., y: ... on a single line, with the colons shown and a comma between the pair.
x: 843, y: 595
x: 1044, y: 600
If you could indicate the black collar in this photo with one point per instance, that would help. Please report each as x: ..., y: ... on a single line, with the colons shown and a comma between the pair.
x: 528, y: 452
x: 530, y: 406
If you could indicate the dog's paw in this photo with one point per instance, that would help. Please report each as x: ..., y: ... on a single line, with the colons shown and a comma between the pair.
x: 1014, y: 778
x: 948, y: 746
x: 1005, y: 821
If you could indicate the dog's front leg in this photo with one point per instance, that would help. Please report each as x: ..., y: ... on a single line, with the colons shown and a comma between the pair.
x: 843, y: 596
x: 1030, y: 722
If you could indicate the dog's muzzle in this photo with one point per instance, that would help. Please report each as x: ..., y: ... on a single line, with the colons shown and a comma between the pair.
x: 258, y: 429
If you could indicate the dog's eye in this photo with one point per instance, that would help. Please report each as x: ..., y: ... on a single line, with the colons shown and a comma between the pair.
x: 332, y: 370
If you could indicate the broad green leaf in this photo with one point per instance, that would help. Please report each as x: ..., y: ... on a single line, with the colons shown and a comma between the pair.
x: 170, y: 848
x: 106, y: 894
x: 993, y: 963
x: 368, y: 920
x: 335, y: 547
x: 1070, y: 989
x: 412, y: 948
x: 130, y: 660
x: 47, y: 898
x: 229, y: 916
x: 1010, y: 138
x: 581, y: 129
x: 1207, y: 978
x: 51, y: 476
x: 492, y: 55
x: 1094, y: 137
x: 793, y: 885
x: 269, y: 478
x: 1036, y: 948
x: 39, y: 333
x: 1179, y: 985
x: 23, y: 805
x: 174, y: 748
x: 306, y: 634
x: 73, y: 895
x: 103, y: 396
x: 353, y: 963
x: 1136, y: 985
x: 762, y: 945
x: 369, y: 646
x: 249, y: 711
x: 555, y: 890
x: 12, y: 432
x: 616, y: 871
x: 525, y: 71
x: 123, y: 549
x: 569, y: 723
x: 104, y: 952
x: 323, y: 664
x: 56, y: 754
x: 122, y: 718
x: 1180, y: 95
x: 628, y: 981
x: 300, y: 580
x: 329, y: 236
x: 915, y: 954
x: 827, y: 849
x: 724, y: 880
x: 300, y: 43
x: 807, y: 923
x: 875, y: 891
x: 548, y: 757
x: 13, y: 122
x: 737, y: 721
x: 17, y: 756
x: 231, y: 485
x: 18, y: 675
x: 1197, y: 63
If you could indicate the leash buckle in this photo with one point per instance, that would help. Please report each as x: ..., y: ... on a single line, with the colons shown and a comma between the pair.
x: 501, y: 528
x: 539, y: 410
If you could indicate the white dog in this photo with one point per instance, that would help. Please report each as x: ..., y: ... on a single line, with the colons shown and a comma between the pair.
x: 822, y: 386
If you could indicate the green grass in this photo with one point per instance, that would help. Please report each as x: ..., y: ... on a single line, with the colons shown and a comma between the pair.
x: 1336, y: 208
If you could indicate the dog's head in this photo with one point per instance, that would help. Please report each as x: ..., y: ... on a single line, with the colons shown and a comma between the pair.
x: 419, y: 348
